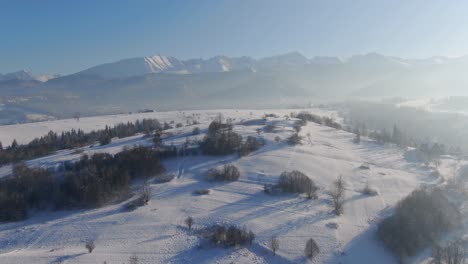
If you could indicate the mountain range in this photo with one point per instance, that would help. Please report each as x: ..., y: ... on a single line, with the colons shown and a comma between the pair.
x: 165, y: 82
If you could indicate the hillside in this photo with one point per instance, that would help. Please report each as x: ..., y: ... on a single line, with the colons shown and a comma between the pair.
x: 156, y: 233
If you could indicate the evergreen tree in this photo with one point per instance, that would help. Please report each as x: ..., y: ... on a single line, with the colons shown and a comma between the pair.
x: 14, y: 144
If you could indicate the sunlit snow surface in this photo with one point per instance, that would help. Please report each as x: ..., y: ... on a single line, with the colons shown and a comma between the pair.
x: 156, y: 233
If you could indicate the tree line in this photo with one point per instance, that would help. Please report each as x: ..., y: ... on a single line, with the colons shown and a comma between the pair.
x: 90, y: 182
x: 52, y: 141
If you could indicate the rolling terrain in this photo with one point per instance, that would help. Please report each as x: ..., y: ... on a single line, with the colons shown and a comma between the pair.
x: 156, y: 233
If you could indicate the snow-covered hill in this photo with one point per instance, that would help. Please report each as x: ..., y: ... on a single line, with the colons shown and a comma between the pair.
x: 156, y: 232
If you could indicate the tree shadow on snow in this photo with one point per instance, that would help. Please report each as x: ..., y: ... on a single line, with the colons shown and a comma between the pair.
x: 365, y: 248
x: 62, y: 259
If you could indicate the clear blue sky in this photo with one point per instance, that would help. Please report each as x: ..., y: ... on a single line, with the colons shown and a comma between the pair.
x: 58, y: 36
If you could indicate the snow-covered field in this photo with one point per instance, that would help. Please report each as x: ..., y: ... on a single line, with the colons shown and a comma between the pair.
x: 156, y: 233
x: 24, y: 133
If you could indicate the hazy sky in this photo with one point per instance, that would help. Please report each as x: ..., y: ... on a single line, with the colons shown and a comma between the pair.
x: 65, y: 36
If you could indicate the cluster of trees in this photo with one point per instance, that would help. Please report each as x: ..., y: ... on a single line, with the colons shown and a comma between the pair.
x: 294, y: 139
x: 228, y: 172
x: 297, y: 182
x: 431, y: 150
x: 383, y: 136
x: 28, y: 188
x: 251, y: 144
x: 72, y: 139
x: 452, y: 253
x: 418, y: 125
x: 90, y: 182
x: 310, y: 251
x: 222, y: 235
x: 220, y: 139
x: 230, y: 236
x: 419, y: 220
x: 96, y: 180
x: 326, y: 121
x: 271, y: 115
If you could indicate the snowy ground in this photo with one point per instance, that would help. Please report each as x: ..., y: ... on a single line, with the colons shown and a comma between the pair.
x: 156, y: 232
x: 24, y: 133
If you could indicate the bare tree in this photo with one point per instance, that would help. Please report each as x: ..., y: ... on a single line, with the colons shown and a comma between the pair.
x: 189, y: 222
x: 311, y: 249
x: 309, y: 137
x: 90, y: 246
x: 146, y: 194
x: 311, y: 190
x: 337, y: 194
x: 274, y: 244
x: 453, y: 253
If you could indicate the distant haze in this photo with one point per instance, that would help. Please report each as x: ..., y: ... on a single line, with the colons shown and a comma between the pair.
x: 286, y: 80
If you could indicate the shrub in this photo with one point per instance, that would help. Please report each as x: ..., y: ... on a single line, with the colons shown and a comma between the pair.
x: 306, y: 116
x: 133, y: 259
x: 229, y: 172
x: 90, y: 246
x: 294, y: 139
x: 272, y: 189
x: 167, y: 126
x: 311, y: 249
x: 368, y: 190
x: 419, y: 219
x: 179, y: 125
x: 331, y: 123
x: 141, y: 200
x: 277, y: 139
x: 163, y: 178
x: 270, y: 115
x: 269, y: 128
x: 189, y: 222
x: 202, y: 192
x: 337, y: 194
x: 298, y: 126
x: 196, y: 131
x: 274, y: 244
x: 297, y: 182
x: 364, y: 166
